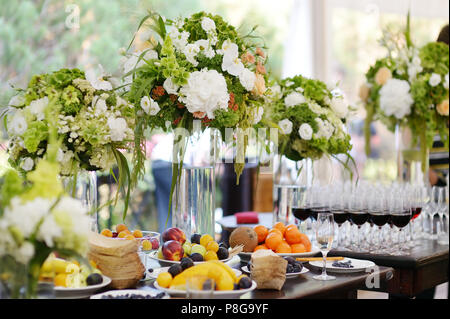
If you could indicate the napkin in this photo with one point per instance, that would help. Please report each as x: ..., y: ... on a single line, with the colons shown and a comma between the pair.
x: 247, y: 218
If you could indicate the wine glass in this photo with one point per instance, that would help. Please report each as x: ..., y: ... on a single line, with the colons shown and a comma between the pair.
x: 337, y: 205
x: 324, y: 237
x: 441, y: 205
x: 400, y: 216
x: 358, y: 216
x: 299, y: 207
x: 379, y: 216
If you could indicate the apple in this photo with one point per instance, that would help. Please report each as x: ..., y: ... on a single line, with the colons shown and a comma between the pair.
x: 155, y: 243
x: 172, y: 250
x: 174, y: 233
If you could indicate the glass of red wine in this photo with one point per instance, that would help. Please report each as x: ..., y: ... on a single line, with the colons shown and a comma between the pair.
x: 378, y: 216
x: 300, y: 207
x: 359, y: 216
x: 340, y: 215
x: 400, y: 216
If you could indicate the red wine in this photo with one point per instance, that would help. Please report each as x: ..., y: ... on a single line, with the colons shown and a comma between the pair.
x: 379, y: 219
x: 401, y: 220
x: 416, y: 212
x: 359, y: 218
x: 340, y: 217
x: 301, y: 213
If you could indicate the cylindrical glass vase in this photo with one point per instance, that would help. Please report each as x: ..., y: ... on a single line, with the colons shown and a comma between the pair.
x: 194, y: 196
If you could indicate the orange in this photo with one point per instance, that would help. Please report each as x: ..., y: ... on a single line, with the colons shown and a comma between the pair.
x: 290, y: 226
x: 106, y: 232
x: 306, y: 242
x: 123, y: 234
x: 275, y: 230
x: 121, y: 227
x: 129, y: 237
x: 263, y: 246
x: 293, y: 236
x: 283, y: 248
x: 273, y: 240
x: 262, y: 232
x: 137, y: 233
x: 298, y: 248
x: 280, y: 226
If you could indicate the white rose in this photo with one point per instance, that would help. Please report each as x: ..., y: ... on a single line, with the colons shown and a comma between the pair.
x: 247, y: 79
x: 118, y: 128
x: 170, y: 87
x: 258, y: 113
x: 395, y: 98
x: 37, y: 107
x: 339, y: 106
x: 286, y: 126
x: 446, y: 82
x: 208, y: 25
x: 205, y: 91
x: 434, y: 80
x: 17, y: 100
x: 17, y: 125
x: 190, y: 51
x: 294, y: 98
x: 305, y: 131
x: 205, y: 48
x: 326, y: 129
x: 27, y: 164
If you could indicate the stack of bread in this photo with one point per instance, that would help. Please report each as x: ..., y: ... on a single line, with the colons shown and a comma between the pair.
x: 268, y: 269
x: 118, y: 259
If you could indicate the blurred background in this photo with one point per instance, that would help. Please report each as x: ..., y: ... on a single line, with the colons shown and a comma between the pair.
x: 332, y: 40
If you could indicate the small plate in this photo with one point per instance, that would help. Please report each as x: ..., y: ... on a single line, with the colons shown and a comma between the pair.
x: 164, y: 263
x: 84, y: 292
x: 245, y: 257
x: 358, y: 265
x: 118, y: 293
x: 154, y: 274
x: 226, y: 294
x: 288, y: 275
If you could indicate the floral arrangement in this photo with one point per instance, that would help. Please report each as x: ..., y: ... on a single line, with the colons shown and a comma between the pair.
x: 409, y: 88
x: 93, y: 122
x: 196, y: 68
x: 36, y: 219
x: 310, y: 117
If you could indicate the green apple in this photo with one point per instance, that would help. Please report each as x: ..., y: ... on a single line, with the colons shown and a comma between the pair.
x: 199, y: 249
x: 187, y: 248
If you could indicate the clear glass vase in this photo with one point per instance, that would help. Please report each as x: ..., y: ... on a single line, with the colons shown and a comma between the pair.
x: 83, y: 186
x: 412, y: 159
x: 13, y: 279
x: 194, y: 196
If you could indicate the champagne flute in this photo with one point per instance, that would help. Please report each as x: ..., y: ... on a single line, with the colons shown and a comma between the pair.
x: 324, y: 238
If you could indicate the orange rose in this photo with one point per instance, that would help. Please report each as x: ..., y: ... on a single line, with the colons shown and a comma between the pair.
x: 383, y: 75
x: 247, y: 57
x: 260, y: 68
x: 364, y: 92
x: 260, y: 85
x: 442, y: 108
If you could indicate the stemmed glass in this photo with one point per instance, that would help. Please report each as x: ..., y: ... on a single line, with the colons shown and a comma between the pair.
x: 358, y: 216
x: 300, y: 208
x: 420, y: 200
x: 441, y: 205
x: 324, y: 237
x: 379, y: 216
x: 400, y: 216
x: 337, y: 205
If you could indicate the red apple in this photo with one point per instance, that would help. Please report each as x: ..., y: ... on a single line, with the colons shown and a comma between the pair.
x: 155, y: 243
x: 174, y: 233
x: 172, y: 250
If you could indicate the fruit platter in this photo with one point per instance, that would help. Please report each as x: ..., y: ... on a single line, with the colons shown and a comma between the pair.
x: 284, y: 240
x: 176, y: 249
x: 228, y: 283
x: 72, y: 279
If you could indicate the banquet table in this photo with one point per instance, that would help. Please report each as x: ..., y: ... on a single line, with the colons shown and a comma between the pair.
x: 304, y: 286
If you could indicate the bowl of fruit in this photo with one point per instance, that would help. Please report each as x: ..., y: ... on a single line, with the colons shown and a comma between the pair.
x: 284, y: 240
x: 227, y: 282
x: 200, y: 248
x: 149, y: 240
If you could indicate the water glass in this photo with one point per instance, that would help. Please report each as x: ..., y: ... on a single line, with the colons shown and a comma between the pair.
x: 200, y: 287
x: 324, y: 237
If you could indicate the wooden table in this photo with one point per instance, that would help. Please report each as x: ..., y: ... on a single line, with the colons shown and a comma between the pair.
x: 425, y: 267
x: 304, y: 286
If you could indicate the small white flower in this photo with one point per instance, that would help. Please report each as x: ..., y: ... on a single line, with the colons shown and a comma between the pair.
x: 18, y: 124
x: 97, y: 81
x: 25, y: 252
x: 326, y: 129
x: 118, y: 128
x: 258, y: 113
x: 179, y: 39
x: 208, y: 25
x: 339, y: 106
x: 294, y: 98
x: 17, y: 100
x: 149, y: 106
x: 99, y: 105
x: 37, y: 107
x: 170, y: 87
x: 27, y: 164
x: 434, y: 80
x: 247, y: 79
x: 190, y: 51
x: 205, y: 48
x: 446, y: 82
x: 286, y: 126
x: 305, y: 131
x: 395, y: 98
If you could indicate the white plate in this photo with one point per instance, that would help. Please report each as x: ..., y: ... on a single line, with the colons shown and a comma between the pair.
x: 288, y: 275
x: 154, y: 274
x: 84, y: 292
x: 245, y: 257
x: 216, y: 294
x: 163, y: 262
x: 115, y: 293
x: 358, y: 265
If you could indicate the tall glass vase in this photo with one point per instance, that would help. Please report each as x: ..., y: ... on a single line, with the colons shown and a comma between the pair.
x: 83, y: 186
x: 194, y: 196
x: 288, y: 177
x: 412, y: 158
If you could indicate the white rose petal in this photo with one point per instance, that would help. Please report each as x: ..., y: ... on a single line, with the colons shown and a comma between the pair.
x: 294, y: 98
x: 434, y: 80
x: 395, y: 98
x: 170, y: 87
x: 286, y: 126
x: 339, y: 106
x: 118, y: 129
x: 208, y: 25
x: 17, y: 100
x: 247, y: 79
x: 305, y: 131
x: 27, y: 164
